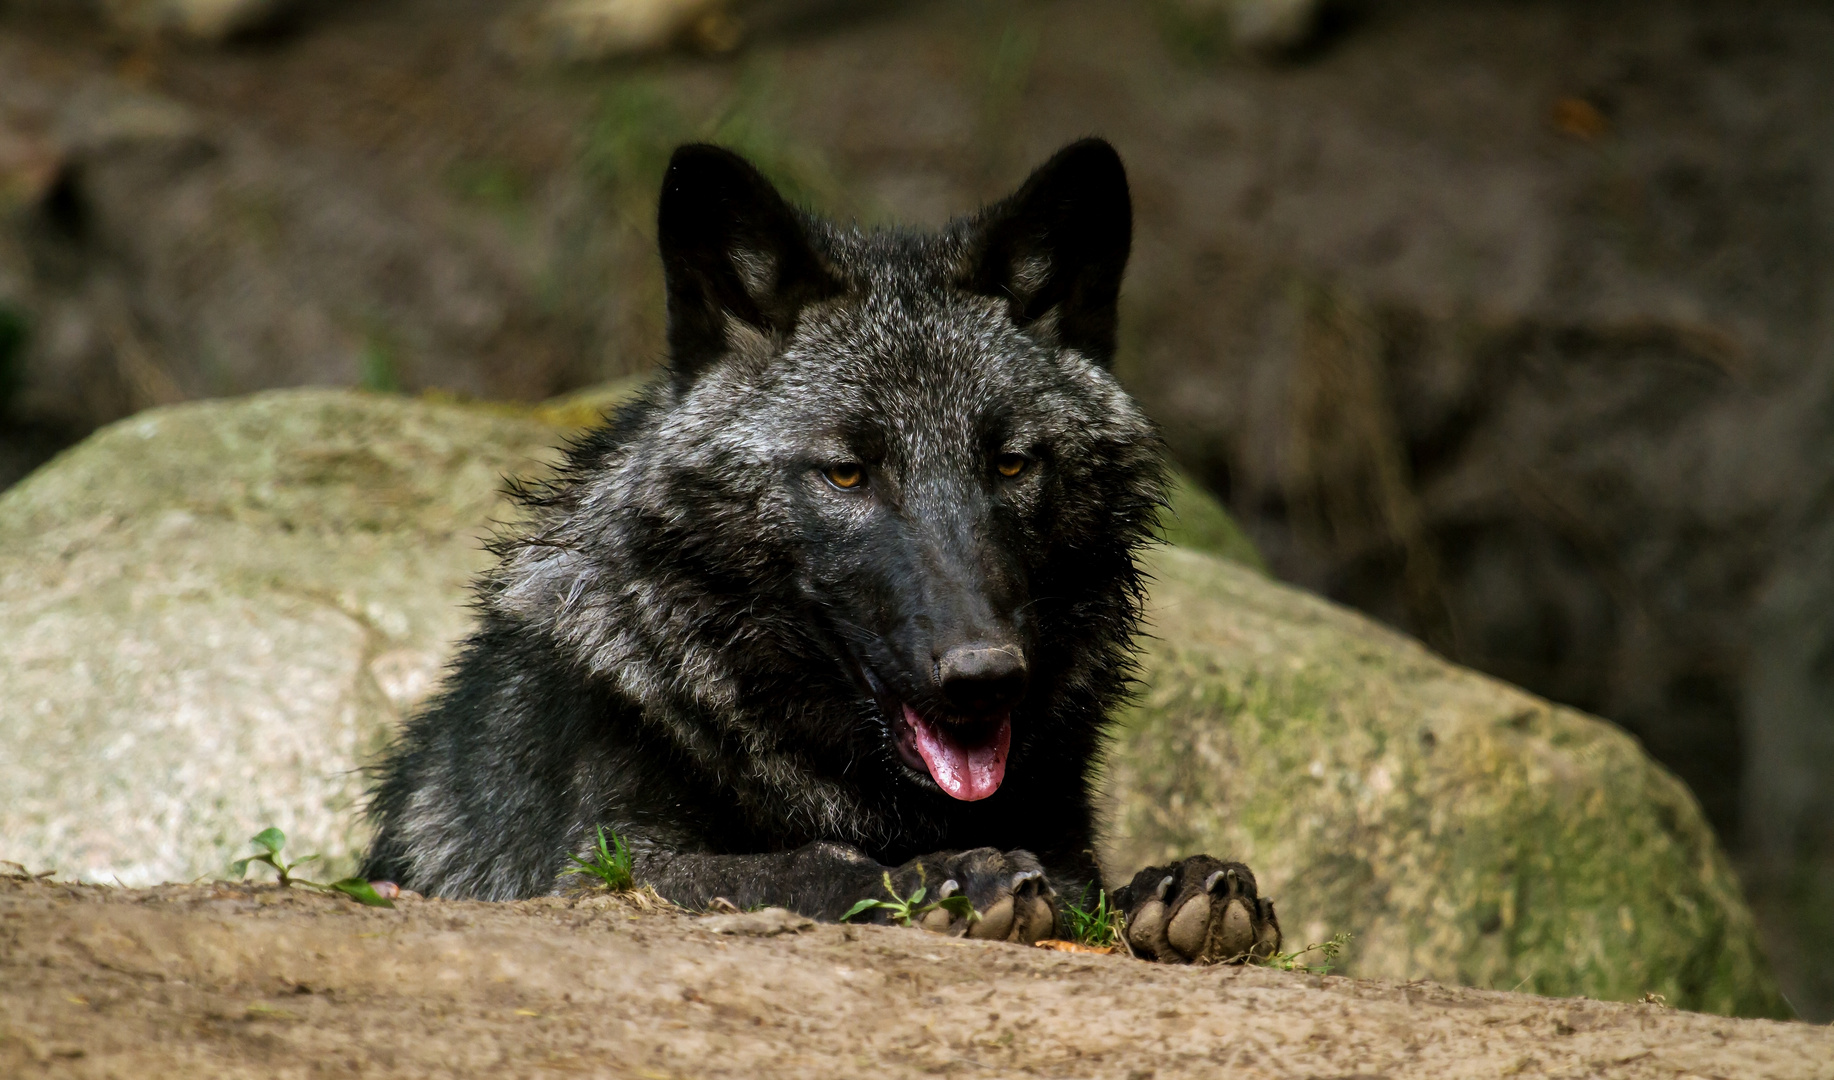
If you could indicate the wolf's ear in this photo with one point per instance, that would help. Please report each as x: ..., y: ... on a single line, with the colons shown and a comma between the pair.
x: 1057, y: 247
x: 731, y: 249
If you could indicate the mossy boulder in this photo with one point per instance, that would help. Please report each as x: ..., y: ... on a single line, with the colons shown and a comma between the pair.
x: 214, y: 616
x: 1459, y: 829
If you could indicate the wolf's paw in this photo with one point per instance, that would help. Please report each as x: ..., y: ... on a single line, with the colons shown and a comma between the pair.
x: 1008, y: 890
x: 1200, y: 910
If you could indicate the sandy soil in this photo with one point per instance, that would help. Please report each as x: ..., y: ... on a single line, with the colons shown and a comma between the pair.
x: 245, y: 980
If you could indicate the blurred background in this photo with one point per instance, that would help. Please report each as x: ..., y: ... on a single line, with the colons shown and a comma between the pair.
x: 1509, y: 322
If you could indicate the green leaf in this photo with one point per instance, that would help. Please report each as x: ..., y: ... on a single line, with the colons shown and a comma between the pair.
x: 270, y: 838
x: 360, y: 890
x: 239, y: 867
x: 863, y: 906
x: 917, y: 897
x: 959, y: 906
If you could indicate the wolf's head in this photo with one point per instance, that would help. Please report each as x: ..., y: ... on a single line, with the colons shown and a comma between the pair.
x: 872, y: 539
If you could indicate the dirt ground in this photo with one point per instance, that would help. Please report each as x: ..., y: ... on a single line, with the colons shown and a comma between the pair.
x: 229, y: 980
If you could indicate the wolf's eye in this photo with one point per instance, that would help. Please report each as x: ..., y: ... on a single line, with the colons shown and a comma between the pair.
x: 846, y: 475
x: 1010, y: 465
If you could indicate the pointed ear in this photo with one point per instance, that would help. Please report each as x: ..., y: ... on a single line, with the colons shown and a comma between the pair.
x: 1057, y: 247
x: 731, y: 249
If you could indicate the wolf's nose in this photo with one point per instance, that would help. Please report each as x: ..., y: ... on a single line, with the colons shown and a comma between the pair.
x: 981, y: 678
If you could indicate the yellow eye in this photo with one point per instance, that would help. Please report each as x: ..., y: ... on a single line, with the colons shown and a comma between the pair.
x: 848, y: 474
x: 1010, y: 465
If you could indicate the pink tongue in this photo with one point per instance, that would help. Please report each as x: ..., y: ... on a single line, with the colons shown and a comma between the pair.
x: 968, y: 773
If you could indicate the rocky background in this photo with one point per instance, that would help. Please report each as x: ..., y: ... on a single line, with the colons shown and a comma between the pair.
x: 1507, y: 323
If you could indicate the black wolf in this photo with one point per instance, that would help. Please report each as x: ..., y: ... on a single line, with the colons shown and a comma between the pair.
x: 850, y: 590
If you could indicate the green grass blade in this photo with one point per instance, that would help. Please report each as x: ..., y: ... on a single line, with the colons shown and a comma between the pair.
x: 610, y: 862
x: 584, y: 866
x: 1097, y: 925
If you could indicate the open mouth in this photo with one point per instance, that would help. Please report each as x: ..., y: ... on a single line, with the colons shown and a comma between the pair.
x: 967, y: 759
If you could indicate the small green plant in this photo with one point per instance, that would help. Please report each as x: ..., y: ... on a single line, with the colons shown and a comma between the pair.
x: 1096, y: 925
x: 1289, y: 961
x: 272, y: 840
x: 610, y: 863
x: 378, y: 369
x: 906, y: 909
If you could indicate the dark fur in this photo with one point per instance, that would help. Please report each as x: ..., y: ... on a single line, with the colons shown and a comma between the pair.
x: 701, y: 643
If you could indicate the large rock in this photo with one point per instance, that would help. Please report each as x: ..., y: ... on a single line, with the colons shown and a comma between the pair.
x: 1458, y: 828
x: 216, y: 613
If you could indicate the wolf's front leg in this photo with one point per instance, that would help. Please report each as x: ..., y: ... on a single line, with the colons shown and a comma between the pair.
x: 1201, y: 910
x: 1011, y: 898
x: 820, y: 880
